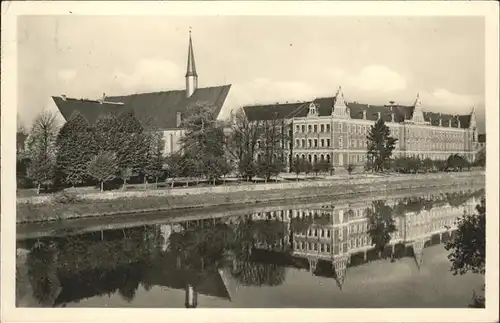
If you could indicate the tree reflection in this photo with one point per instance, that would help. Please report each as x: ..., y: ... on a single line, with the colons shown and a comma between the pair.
x: 381, y: 225
x: 42, y: 273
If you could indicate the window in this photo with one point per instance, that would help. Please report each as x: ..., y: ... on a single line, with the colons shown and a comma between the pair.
x: 309, y: 128
x: 328, y: 142
x: 303, y: 143
x: 315, y: 128
x: 303, y: 128
x: 322, y: 128
x: 297, y: 143
x: 322, y: 142
x: 297, y: 129
x: 340, y: 142
x: 327, y: 128
x: 315, y: 143
x: 309, y: 141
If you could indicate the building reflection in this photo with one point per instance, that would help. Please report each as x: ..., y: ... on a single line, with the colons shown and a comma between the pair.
x: 214, y: 257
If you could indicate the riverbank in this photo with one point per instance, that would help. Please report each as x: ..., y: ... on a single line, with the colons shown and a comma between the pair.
x: 52, y: 208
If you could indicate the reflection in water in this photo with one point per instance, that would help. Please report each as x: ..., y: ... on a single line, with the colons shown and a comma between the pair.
x: 214, y: 256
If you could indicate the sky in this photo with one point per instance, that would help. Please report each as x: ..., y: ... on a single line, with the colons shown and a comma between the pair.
x: 267, y: 59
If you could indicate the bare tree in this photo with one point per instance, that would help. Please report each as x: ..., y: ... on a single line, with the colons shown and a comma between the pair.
x: 241, y: 143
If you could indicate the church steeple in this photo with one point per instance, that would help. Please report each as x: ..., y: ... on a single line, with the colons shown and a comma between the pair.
x: 191, y: 75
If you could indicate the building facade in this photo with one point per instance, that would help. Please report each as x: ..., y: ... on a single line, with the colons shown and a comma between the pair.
x: 162, y: 111
x: 330, y: 129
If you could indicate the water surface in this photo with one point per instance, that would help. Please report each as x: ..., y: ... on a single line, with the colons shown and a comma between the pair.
x: 361, y: 253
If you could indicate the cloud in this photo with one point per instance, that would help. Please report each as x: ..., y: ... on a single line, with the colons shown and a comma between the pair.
x: 378, y: 78
x: 150, y: 75
x: 66, y: 74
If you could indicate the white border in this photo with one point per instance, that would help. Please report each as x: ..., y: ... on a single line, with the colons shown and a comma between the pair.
x: 10, y: 10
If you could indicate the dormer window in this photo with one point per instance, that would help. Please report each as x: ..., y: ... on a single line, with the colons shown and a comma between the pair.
x: 312, y: 110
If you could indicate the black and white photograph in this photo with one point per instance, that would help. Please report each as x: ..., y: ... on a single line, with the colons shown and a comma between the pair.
x: 251, y: 161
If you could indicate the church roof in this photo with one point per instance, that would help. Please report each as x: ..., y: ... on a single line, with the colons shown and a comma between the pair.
x: 155, y: 110
x: 300, y: 109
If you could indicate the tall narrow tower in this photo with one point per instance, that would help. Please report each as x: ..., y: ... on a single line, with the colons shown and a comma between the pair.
x: 191, y: 75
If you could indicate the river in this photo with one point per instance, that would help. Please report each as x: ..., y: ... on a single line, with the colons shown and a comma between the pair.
x: 320, y: 254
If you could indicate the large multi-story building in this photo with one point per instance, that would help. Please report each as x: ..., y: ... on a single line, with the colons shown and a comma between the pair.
x: 334, y: 130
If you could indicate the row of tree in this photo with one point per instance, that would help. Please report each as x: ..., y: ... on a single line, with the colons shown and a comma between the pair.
x: 120, y: 147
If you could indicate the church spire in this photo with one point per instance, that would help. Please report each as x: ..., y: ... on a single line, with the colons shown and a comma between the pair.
x: 191, y: 75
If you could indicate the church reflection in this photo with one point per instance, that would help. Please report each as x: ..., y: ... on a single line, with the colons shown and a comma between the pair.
x: 215, y: 257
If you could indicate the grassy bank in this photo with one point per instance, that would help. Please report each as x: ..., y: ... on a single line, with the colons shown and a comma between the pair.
x: 94, y: 205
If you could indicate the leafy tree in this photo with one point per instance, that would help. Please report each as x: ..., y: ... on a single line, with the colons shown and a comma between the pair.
x: 468, y: 247
x: 134, y: 141
x: 75, y: 147
x: 103, y: 167
x: 173, y: 167
x: 428, y: 164
x: 297, y: 166
x: 125, y: 174
x: 307, y: 167
x: 317, y: 167
x: 481, y: 158
x: 41, y: 149
x: 456, y: 162
x: 379, y: 146
x: 204, y: 141
x: 381, y: 224
x: 41, y: 169
x: 154, y: 164
x: 350, y: 168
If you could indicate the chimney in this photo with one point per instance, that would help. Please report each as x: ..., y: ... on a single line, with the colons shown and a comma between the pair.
x: 392, y: 117
x: 449, y: 123
x: 379, y: 115
x: 440, y: 121
x: 458, y: 118
x: 63, y: 96
x: 364, y: 114
x: 179, y: 119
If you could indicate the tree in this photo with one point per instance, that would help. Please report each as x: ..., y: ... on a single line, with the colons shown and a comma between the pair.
x: 273, y: 140
x: 241, y: 143
x: 173, y: 167
x: 297, y: 166
x: 125, y: 174
x: 154, y: 162
x: 428, y: 164
x: 379, y: 146
x: 307, y: 167
x: 41, y: 148
x: 481, y: 158
x: 350, y: 168
x: 103, y: 167
x: 468, y: 247
x: 204, y: 141
x: 75, y: 148
x: 456, y: 162
x: 41, y: 169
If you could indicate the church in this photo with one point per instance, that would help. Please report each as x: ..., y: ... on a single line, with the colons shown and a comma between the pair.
x: 156, y: 111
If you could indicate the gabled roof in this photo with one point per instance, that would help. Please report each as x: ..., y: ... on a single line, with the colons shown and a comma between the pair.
x: 155, y: 110
x: 300, y: 109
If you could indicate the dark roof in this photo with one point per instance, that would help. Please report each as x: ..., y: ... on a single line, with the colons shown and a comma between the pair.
x: 481, y: 137
x: 300, y: 109
x: 158, y: 108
